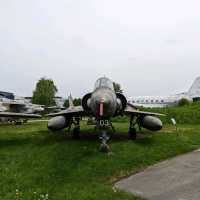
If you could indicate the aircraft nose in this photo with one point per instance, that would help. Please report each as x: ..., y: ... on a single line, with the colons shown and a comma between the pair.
x: 103, y: 99
x: 103, y: 103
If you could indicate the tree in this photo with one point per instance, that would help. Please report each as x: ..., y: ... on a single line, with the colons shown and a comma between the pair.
x: 66, y: 104
x: 183, y: 102
x: 117, y: 87
x: 77, y: 101
x: 44, y: 93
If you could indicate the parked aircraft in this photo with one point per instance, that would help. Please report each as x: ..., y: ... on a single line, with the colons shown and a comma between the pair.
x: 20, y: 106
x: 103, y: 104
x: 163, y: 101
x: 12, y: 111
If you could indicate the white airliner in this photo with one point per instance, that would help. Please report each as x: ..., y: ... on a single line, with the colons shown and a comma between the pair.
x: 163, y: 101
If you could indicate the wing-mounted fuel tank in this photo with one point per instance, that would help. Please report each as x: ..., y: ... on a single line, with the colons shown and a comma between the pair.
x: 121, y: 103
x: 150, y: 122
x: 58, y: 123
x: 86, y: 102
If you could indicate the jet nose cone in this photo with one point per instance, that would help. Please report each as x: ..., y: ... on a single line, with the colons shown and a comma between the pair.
x: 103, y: 103
x: 104, y: 100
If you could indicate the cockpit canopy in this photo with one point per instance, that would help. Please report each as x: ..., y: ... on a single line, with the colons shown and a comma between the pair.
x: 104, y: 82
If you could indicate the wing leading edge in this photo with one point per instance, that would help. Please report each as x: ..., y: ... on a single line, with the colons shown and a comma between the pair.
x: 18, y: 115
x: 130, y: 110
x: 71, y: 111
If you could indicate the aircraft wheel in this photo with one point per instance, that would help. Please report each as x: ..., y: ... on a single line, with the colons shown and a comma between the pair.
x: 104, y: 148
x: 76, y: 133
x: 18, y: 123
x: 25, y: 121
x: 132, y: 133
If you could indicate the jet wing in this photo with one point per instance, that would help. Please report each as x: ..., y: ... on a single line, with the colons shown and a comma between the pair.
x: 14, y: 106
x: 18, y: 115
x: 131, y: 110
x: 12, y: 103
x: 71, y: 111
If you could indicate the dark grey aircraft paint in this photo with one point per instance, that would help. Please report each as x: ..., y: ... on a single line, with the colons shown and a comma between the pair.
x: 103, y: 104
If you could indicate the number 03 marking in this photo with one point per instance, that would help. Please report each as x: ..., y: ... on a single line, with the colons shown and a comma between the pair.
x: 104, y: 123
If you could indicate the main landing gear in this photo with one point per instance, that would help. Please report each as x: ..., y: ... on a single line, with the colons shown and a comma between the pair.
x: 132, y: 133
x: 132, y: 130
x: 76, y: 130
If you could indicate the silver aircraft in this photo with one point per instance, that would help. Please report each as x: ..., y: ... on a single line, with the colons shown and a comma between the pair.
x: 16, y: 112
x: 20, y: 106
x: 103, y: 104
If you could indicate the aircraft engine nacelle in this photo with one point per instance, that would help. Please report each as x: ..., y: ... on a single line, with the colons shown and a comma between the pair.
x: 121, y: 102
x: 151, y: 123
x: 86, y: 102
x: 58, y: 123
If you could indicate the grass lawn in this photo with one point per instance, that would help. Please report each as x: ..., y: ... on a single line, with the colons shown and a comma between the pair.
x: 32, y: 160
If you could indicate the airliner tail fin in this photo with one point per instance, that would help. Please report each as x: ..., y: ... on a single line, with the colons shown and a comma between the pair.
x: 194, y: 90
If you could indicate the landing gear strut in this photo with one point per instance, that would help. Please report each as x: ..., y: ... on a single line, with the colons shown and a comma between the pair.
x: 132, y: 133
x: 76, y: 130
x: 132, y: 130
x: 103, y: 126
x: 104, y: 146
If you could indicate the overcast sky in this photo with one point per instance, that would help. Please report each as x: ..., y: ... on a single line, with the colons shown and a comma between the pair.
x: 151, y: 47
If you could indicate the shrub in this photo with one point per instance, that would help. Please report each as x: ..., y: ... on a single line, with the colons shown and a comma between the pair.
x: 183, y: 102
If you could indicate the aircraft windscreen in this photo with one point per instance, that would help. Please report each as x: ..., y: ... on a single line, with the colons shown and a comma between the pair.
x: 104, y: 82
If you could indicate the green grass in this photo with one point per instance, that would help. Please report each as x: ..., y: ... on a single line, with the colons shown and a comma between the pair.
x: 32, y: 160
x: 188, y: 114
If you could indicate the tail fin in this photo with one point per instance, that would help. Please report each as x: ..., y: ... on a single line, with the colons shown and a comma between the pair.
x: 194, y: 90
x: 71, y: 104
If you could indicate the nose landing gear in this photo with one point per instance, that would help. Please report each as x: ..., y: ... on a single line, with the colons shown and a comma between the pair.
x: 104, y: 146
x: 103, y: 126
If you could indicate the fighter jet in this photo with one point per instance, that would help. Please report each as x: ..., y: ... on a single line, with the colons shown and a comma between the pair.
x: 20, y: 106
x: 103, y: 104
x: 16, y: 118
x: 12, y: 111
